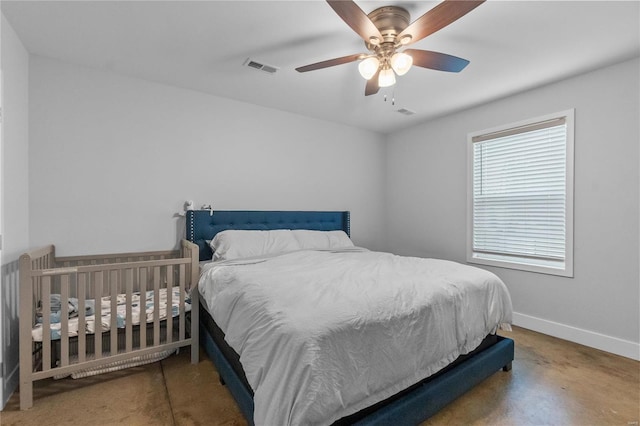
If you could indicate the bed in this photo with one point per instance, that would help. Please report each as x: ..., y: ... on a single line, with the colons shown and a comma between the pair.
x: 84, y: 315
x: 300, y: 347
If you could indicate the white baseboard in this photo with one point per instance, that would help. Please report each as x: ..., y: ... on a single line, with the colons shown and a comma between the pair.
x: 614, y: 345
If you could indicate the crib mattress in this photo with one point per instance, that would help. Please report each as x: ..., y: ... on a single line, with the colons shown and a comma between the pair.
x: 137, y: 303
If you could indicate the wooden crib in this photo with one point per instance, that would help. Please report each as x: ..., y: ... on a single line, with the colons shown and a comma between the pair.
x: 114, y: 281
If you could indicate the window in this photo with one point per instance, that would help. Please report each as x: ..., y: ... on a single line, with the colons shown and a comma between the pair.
x: 520, y: 193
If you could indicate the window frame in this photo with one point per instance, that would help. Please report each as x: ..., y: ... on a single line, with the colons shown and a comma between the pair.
x: 521, y: 263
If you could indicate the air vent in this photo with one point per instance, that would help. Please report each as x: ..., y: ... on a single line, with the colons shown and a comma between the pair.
x: 406, y: 111
x: 269, y: 69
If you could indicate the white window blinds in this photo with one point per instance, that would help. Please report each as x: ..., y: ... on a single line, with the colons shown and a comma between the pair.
x: 519, y: 199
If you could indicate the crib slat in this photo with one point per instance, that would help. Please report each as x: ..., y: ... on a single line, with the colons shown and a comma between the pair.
x: 195, y: 309
x: 181, y: 323
x: 46, y: 323
x: 113, y: 285
x: 82, y: 320
x: 64, y: 320
x: 169, y: 304
x: 156, y: 306
x: 28, y: 289
x: 128, y: 278
x: 143, y: 307
x: 98, y: 280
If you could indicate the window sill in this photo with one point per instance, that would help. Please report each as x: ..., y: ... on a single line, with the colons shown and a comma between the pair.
x: 563, y: 269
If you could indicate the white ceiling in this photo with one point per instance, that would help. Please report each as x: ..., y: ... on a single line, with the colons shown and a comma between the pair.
x: 202, y: 45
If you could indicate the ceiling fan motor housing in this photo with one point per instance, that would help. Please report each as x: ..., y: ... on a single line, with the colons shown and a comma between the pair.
x: 390, y: 21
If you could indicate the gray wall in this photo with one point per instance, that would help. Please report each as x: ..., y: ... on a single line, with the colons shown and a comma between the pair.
x: 113, y: 158
x: 15, y: 163
x: 426, y: 199
x: 14, y: 204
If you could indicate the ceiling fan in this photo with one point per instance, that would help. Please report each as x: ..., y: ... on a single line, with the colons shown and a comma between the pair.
x: 386, y: 30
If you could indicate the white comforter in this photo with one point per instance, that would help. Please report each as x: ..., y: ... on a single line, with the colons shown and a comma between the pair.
x: 322, y: 335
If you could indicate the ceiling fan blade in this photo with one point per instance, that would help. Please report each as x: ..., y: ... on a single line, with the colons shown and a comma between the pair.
x: 329, y: 63
x: 356, y: 19
x: 372, y: 85
x: 436, y: 60
x: 439, y: 17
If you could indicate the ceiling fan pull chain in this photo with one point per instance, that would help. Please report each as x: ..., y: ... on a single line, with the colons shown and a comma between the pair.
x: 385, y: 97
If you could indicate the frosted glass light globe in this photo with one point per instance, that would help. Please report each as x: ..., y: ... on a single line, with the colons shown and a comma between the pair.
x: 401, y: 63
x: 369, y: 67
x: 387, y: 78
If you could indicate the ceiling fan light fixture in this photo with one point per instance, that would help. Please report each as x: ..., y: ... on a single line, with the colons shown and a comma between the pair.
x: 387, y: 78
x: 368, y: 67
x: 401, y: 63
x: 388, y: 29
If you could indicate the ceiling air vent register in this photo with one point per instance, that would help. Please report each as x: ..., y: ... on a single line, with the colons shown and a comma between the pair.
x: 269, y: 69
x: 406, y: 111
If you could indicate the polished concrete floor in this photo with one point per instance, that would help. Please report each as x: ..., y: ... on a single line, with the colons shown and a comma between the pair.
x: 553, y: 382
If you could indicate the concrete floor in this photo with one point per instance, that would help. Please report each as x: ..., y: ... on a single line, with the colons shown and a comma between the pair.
x: 553, y: 382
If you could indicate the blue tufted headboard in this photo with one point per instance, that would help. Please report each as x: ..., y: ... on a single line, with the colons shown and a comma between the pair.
x: 203, y: 226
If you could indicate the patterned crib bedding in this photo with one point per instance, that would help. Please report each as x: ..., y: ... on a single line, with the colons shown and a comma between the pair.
x: 105, y: 319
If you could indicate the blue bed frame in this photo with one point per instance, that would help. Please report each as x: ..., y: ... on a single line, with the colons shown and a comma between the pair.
x: 413, y: 407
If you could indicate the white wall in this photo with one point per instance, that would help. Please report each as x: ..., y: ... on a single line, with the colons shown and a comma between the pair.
x: 14, y: 203
x: 15, y: 67
x: 113, y: 158
x: 426, y: 197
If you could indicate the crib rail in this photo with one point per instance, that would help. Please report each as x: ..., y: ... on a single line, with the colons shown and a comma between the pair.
x: 102, y: 259
x: 87, y: 285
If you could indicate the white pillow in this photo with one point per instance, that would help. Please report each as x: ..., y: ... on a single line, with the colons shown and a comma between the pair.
x: 236, y: 244
x: 322, y: 239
